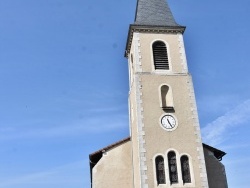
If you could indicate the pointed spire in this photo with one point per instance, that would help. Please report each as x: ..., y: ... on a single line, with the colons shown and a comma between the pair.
x: 152, y: 16
x: 154, y: 13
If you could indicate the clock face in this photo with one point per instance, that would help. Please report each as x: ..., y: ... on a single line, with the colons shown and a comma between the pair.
x: 168, y: 122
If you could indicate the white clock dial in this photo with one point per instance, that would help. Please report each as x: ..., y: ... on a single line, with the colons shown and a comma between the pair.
x: 168, y: 122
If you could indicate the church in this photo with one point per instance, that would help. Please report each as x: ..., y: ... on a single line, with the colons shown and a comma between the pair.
x: 164, y: 149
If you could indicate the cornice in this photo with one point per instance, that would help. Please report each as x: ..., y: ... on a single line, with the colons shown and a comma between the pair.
x: 150, y: 29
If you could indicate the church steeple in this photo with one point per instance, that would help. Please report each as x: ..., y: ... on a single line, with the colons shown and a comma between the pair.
x: 153, y: 16
x: 164, y: 127
x: 164, y: 149
x: 154, y: 13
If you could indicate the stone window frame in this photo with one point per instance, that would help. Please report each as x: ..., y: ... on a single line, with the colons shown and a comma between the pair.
x: 169, y: 96
x: 161, y: 71
x: 156, y: 169
x: 178, y: 162
x: 192, y: 184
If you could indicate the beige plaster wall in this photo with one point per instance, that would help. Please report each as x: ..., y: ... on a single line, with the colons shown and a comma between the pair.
x: 114, y: 169
x: 173, y: 47
x: 215, y: 171
x: 186, y: 138
x: 158, y: 140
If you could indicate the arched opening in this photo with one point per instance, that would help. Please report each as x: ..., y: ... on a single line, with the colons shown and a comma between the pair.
x: 160, y: 170
x: 185, y: 169
x: 160, y: 55
x: 166, y: 97
x: 172, y: 166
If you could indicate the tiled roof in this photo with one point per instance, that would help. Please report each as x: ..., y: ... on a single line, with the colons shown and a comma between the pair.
x: 154, y: 13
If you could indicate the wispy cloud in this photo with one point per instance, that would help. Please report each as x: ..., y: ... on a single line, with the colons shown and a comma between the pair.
x: 69, y: 174
x: 237, y: 146
x: 217, y: 104
x: 214, y: 131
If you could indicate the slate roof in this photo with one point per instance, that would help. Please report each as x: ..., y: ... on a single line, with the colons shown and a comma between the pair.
x: 154, y: 13
x: 152, y: 16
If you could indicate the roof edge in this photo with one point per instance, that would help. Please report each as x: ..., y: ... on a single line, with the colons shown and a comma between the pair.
x: 111, y: 146
x: 217, y: 153
x: 150, y: 29
x: 97, y: 155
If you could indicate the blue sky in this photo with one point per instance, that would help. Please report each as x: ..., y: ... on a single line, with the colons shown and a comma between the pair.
x: 64, y: 84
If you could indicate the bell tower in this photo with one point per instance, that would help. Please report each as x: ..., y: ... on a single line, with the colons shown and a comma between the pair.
x: 165, y: 132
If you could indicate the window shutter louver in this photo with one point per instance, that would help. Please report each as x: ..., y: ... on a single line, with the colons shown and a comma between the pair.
x: 160, y: 56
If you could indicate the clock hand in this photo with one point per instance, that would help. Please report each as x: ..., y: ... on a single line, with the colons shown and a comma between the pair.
x: 169, y: 123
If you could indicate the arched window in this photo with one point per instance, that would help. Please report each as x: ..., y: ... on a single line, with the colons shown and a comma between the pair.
x: 160, y: 170
x: 166, y: 97
x: 185, y: 169
x: 160, y: 55
x: 172, y: 166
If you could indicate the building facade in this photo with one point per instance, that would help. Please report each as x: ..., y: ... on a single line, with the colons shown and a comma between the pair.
x: 164, y: 148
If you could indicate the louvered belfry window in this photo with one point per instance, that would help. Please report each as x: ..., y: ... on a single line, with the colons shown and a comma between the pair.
x: 185, y: 169
x: 160, y: 56
x: 160, y: 170
x: 172, y: 166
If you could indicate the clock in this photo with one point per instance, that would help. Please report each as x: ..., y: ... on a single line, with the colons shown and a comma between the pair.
x: 168, y: 122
